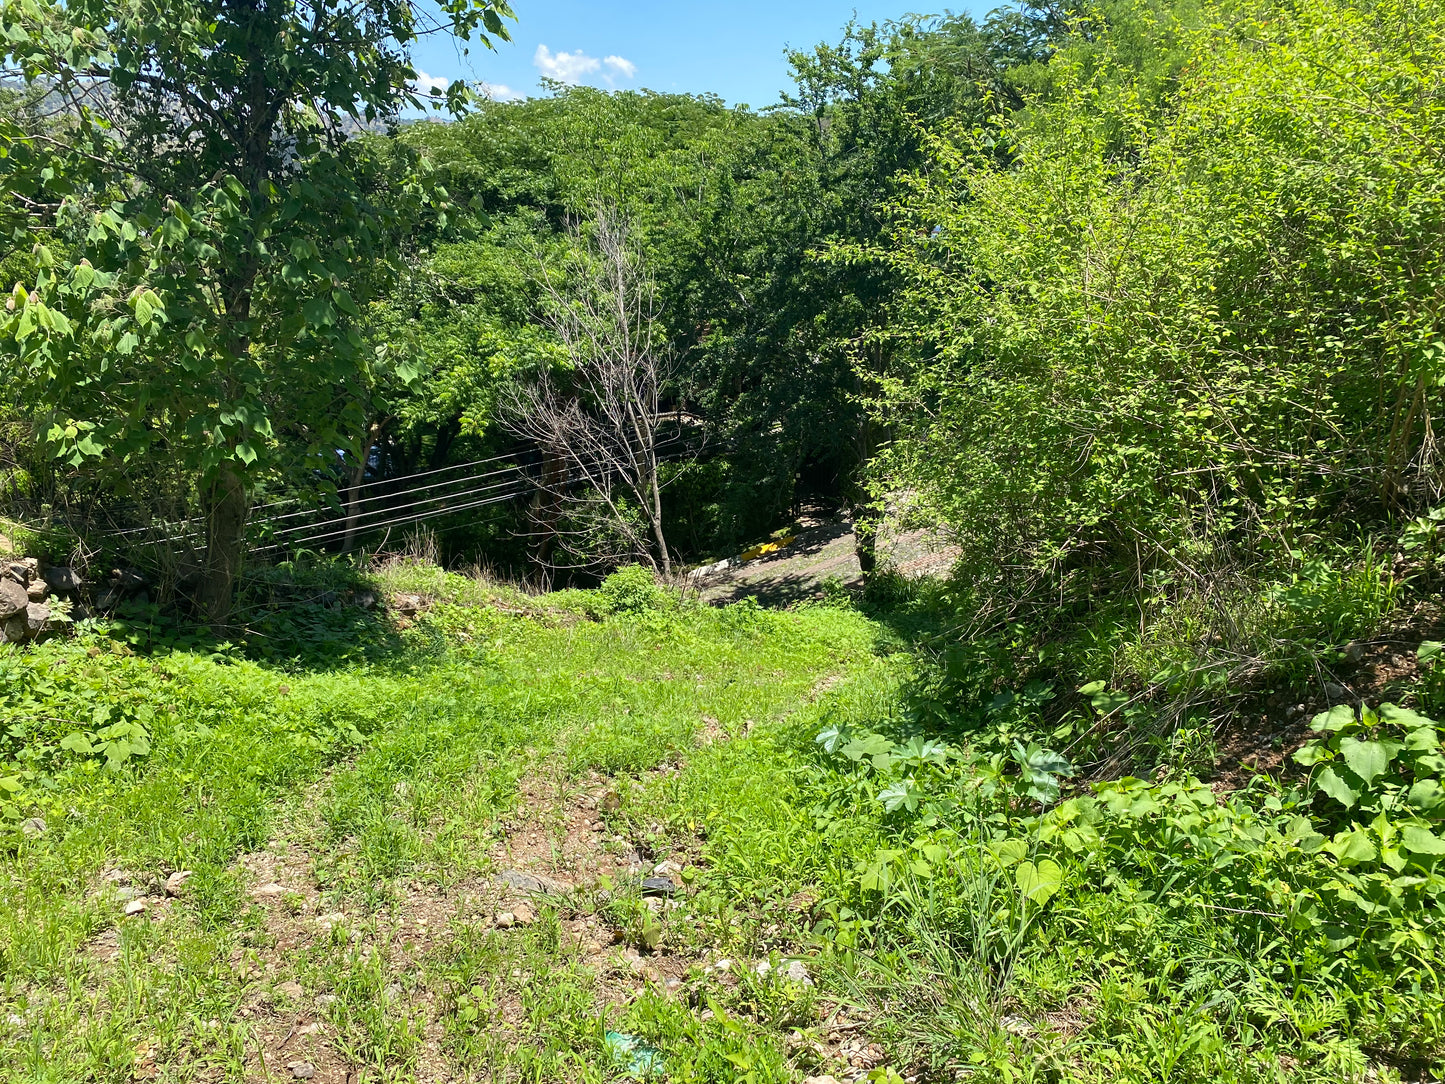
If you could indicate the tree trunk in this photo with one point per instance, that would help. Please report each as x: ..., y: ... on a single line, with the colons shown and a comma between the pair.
x: 865, y: 543
x: 548, y: 508
x: 864, y: 510
x: 226, y: 508
x: 353, y: 489
x: 656, y: 517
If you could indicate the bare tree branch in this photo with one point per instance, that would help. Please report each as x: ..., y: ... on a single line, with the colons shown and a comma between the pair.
x: 597, y: 424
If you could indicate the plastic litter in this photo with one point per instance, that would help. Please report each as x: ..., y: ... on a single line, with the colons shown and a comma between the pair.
x: 634, y: 1056
x: 659, y: 886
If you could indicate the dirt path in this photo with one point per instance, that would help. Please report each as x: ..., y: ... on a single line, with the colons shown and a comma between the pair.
x: 823, y: 552
x: 337, y: 993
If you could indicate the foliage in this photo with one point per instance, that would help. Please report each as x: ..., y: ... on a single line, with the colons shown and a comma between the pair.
x: 1151, y: 348
x: 211, y: 215
x: 632, y: 589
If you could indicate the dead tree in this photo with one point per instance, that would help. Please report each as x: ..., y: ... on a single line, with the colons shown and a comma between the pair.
x: 598, y: 421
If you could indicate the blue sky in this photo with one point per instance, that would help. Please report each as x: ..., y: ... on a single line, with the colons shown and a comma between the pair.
x: 734, y: 50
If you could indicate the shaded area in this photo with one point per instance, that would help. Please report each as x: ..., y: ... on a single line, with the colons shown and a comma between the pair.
x: 824, y: 554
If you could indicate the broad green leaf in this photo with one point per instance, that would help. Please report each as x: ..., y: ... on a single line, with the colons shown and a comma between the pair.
x: 899, y: 795
x: 318, y: 312
x: 1040, y: 882
x: 344, y: 302
x: 1422, y: 840
x: 77, y: 742
x: 874, y: 746
x: 1010, y: 852
x: 1336, y: 719
x: 1352, y: 847
x: 1367, y: 759
x: 1426, y: 795
x: 1425, y: 739
x: 1331, y: 783
x: 1404, y: 718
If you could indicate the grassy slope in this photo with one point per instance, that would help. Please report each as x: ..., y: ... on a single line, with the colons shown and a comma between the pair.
x: 501, y: 731
x: 392, y: 772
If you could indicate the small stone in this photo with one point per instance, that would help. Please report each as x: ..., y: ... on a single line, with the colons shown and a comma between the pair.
x: 763, y: 967
x: 127, y: 579
x: 176, y: 882
x: 821, y: 1080
x: 18, y: 571
x: 330, y: 922
x: 63, y: 579
x: 33, y: 827
x: 37, y: 591
x: 136, y: 907
x: 271, y: 889
x: 506, y: 920
x: 1355, y: 651
x: 301, y: 1070
x: 1017, y: 1025
x: 1334, y: 691
x: 14, y: 630
x: 118, y: 877
x: 13, y: 598
x: 658, y: 886
x: 531, y: 883
x: 667, y: 868
x: 292, y: 990
x: 611, y: 801
x: 325, y: 1001
x: 797, y: 972
x: 125, y: 894
x: 525, y: 915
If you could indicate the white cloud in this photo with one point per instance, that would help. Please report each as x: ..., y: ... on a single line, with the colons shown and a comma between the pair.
x: 498, y: 92
x: 564, y: 67
x: 570, y: 68
x: 425, y: 84
x: 621, y: 65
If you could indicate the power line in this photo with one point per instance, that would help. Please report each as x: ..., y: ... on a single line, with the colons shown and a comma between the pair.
x: 423, y: 474
x: 402, y: 493
x: 302, y: 527
x: 425, y: 500
x: 392, y: 523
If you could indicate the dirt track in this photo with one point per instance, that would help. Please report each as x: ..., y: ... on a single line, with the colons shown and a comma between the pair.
x: 821, y: 552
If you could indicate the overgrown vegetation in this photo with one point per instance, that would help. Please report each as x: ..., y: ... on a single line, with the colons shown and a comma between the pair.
x: 1136, y: 305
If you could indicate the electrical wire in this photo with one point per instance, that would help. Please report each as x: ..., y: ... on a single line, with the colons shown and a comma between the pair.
x: 403, y: 493
x: 356, y: 526
x: 415, y: 504
x: 420, y: 474
x: 392, y: 523
x: 302, y: 527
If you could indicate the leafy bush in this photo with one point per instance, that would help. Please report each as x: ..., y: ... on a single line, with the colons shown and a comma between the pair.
x: 632, y: 589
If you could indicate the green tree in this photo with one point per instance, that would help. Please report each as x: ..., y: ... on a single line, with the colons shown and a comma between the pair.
x: 199, y: 286
x: 1196, y: 320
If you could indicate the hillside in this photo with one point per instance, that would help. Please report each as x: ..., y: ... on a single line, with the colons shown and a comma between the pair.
x: 490, y: 836
x: 937, y: 579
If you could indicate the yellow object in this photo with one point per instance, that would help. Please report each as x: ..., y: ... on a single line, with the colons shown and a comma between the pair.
x: 766, y: 548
